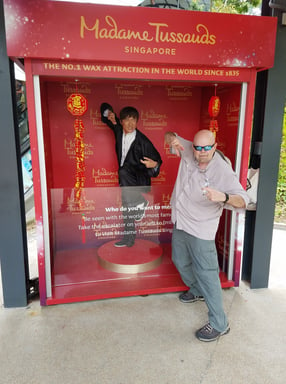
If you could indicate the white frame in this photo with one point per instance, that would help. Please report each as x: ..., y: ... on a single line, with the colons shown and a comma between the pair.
x: 43, y: 182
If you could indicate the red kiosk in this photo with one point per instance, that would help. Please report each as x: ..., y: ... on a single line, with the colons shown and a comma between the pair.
x: 183, y: 71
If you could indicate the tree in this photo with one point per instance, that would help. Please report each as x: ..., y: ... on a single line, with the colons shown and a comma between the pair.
x: 225, y: 6
x: 280, y: 208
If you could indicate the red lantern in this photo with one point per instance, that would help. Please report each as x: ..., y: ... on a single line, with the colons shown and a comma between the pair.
x: 214, y: 106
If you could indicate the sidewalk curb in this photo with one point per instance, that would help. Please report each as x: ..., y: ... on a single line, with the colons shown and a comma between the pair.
x: 279, y: 226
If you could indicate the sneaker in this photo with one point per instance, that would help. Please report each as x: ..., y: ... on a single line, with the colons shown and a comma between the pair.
x: 124, y: 243
x: 188, y: 297
x: 141, y: 213
x: 208, y: 333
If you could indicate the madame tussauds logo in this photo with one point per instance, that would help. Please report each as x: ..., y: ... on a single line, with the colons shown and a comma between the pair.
x: 158, y: 32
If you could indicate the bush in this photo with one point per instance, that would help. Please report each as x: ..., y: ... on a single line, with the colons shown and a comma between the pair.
x: 280, y: 208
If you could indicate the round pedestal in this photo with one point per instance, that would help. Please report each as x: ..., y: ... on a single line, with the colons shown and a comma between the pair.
x: 143, y: 256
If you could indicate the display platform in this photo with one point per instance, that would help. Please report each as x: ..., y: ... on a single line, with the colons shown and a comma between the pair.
x: 142, y: 257
x: 78, y: 276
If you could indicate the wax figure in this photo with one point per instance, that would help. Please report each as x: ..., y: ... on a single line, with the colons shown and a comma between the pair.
x: 138, y: 162
x: 205, y: 184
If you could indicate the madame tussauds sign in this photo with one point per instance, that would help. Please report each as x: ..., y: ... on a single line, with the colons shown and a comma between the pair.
x: 156, y: 32
x: 99, y: 34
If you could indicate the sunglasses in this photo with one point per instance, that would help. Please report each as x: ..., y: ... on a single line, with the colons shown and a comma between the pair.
x: 205, y: 148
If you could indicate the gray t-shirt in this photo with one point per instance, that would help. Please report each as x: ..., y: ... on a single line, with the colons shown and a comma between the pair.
x: 191, y: 210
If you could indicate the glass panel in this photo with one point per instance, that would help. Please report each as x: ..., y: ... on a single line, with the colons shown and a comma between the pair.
x: 89, y: 212
x: 85, y: 235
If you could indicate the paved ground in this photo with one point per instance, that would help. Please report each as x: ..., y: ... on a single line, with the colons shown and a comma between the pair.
x: 145, y: 340
x: 277, y: 274
x: 148, y: 340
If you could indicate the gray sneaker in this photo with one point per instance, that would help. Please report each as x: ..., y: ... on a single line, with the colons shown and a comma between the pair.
x: 188, y: 297
x: 208, y: 333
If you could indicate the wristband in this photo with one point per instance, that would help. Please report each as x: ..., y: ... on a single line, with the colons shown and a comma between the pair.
x: 226, y: 198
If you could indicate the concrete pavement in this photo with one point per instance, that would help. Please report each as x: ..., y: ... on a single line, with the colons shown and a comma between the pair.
x: 143, y: 340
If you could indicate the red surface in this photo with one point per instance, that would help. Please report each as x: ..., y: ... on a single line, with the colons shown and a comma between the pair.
x: 126, y: 70
x: 78, y: 277
x: 70, y: 31
x: 162, y: 106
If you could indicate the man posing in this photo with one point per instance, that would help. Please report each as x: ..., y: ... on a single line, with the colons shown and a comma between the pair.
x: 138, y: 161
x: 205, y: 184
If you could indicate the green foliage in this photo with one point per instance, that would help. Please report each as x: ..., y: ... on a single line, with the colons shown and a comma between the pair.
x: 280, y: 209
x: 234, y: 6
x: 200, y: 5
x: 225, y: 6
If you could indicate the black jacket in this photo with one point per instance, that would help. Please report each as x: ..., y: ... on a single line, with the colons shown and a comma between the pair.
x: 140, y: 147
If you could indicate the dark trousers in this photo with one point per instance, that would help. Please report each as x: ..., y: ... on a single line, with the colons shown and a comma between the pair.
x: 131, y: 196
